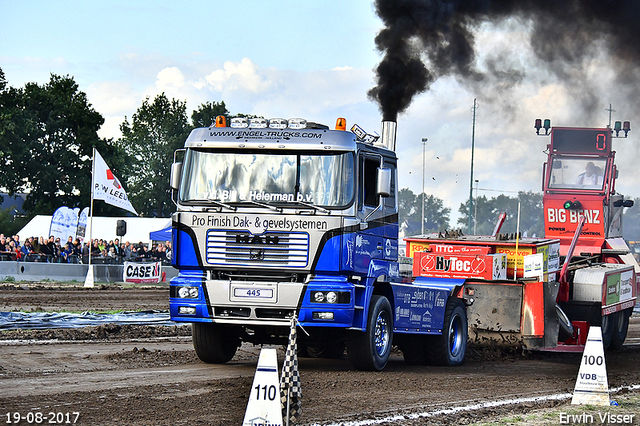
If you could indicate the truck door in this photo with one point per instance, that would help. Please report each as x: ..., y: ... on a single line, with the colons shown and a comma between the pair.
x: 374, y: 239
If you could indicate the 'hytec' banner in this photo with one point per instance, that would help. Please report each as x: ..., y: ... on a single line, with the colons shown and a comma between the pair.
x: 64, y: 223
x: 134, y: 272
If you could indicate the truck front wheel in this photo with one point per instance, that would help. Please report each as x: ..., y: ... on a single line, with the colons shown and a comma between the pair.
x: 450, y: 347
x: 370, y: 350
x: 213, y: 343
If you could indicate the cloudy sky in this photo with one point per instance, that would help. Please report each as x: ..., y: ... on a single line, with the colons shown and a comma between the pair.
x: 317, y: 60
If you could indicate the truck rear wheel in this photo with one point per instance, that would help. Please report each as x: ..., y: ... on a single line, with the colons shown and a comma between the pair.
x: 213, y: 343
x: 620, y: 327
x: 450, y: 347
x: 370, y: 350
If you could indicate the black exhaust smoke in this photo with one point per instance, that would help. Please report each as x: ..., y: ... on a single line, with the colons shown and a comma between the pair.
x: 423, y: 40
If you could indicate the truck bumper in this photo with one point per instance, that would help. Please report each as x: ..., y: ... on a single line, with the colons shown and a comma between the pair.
x: 322, y: 302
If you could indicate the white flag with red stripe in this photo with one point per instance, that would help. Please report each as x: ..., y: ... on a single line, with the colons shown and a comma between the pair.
x: 107, y: 187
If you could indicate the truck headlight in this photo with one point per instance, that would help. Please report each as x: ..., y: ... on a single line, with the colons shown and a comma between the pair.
x: 342, y: 297
x: 187, y: 292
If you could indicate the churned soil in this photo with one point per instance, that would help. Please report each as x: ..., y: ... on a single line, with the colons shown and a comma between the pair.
x: 149, y: 375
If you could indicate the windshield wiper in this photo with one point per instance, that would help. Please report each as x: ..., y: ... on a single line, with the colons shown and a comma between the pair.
x: 313, y: 206
x: 269, y: 206
x: 221, y: 204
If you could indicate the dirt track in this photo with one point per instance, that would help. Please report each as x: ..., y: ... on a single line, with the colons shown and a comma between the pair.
x: 115, y: 375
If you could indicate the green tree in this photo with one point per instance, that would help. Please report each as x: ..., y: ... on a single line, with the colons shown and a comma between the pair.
x: 488, y: 210
x: 436, y: 216
x: 157, y: 129
x: 207, y: 112
x: 631, y: 222
x: 47, y: 133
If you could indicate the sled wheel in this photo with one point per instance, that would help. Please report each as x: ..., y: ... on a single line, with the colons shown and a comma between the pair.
x: 566, y: 328
x: 450, y: 347
x: 213, y: 343
x: 370, y: 350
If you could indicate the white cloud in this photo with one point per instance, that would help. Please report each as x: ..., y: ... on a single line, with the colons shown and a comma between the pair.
x: 236, y: 76
x: 169, y: 79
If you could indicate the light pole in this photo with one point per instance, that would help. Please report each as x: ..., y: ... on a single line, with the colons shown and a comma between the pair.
x: 473, y: 140
x: 475, y: 213
x: 424, y: 144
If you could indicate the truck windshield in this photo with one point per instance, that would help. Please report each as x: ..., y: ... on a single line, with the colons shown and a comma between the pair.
x: 577, y: 173
x: 319, y: 179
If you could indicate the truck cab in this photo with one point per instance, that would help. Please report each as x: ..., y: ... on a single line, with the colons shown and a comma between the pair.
x: 583, y: 210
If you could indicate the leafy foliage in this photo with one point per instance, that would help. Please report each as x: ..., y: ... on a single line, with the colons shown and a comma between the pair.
x: 47, y: 133
x: 206, y: 113
x: 436, y: 216
x: 157, y: 129
x: 531, y: 214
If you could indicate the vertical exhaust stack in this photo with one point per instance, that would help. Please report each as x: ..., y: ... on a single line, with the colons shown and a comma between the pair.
x: 389, y: 134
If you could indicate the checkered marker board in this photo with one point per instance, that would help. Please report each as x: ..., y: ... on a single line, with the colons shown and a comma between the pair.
x: 290, y: 390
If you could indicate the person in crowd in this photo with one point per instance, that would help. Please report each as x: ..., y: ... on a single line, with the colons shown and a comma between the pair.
x: 51, y: 244
x: 66, y: 253
x: 59, y: 250
x: 95, y: 248
x: 45, y: 250
x: 127, y: 250
x: 117, y: 249
x: 27, y: 251
x: 16, y: 254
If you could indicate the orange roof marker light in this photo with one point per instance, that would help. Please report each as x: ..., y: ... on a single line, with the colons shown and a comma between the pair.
x: 221, y: 121
x: 341, y: 124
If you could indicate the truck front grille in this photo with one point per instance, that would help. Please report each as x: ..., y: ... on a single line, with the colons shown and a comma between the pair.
x: 271, y: 249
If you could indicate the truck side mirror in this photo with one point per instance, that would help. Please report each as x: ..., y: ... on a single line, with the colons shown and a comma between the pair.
x: 174, y: 179
x: 384, y: 182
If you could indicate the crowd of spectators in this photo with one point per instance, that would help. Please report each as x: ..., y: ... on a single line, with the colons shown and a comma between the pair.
x: 52, y: 250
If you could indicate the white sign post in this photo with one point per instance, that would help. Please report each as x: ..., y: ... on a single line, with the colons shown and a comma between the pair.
x: 592, y: 386
x: 264, y: 407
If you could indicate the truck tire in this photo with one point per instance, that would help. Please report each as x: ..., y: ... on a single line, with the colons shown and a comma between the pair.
x: 414, y: 349
x: 213, y: 343
x: 330, y: 350
x: 370, y: 350
x: 620, y: 327
x: 450, y: 347
x: 607, y: 325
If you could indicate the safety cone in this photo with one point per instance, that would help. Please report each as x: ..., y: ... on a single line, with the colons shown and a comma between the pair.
x: 263, y: 408
x: 592, y: 386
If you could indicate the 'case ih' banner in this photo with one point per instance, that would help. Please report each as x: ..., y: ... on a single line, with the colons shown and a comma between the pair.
x: 142, y: 272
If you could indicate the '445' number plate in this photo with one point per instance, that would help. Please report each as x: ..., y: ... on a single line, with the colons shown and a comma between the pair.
x: 252, y: 292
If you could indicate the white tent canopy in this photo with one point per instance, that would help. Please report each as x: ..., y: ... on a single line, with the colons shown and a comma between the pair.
x: 138, y: 228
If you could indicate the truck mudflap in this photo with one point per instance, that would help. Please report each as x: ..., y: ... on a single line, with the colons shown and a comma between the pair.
x: 419, y: 307
x: 513, y: 313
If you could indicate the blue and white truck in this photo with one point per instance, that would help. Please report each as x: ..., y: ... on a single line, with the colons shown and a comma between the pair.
x: 285, y: 218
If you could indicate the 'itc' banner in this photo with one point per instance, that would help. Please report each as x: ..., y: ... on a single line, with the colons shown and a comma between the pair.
x: 142, y: 272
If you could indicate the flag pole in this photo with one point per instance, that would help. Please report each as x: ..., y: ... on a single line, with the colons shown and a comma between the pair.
x: 88, y: 282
